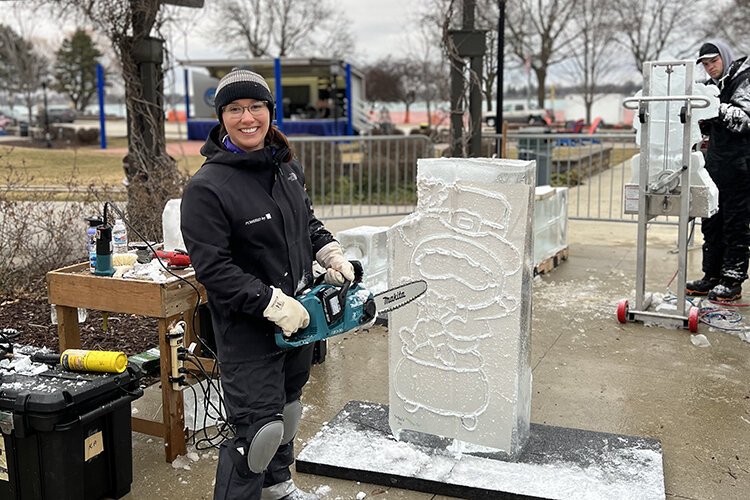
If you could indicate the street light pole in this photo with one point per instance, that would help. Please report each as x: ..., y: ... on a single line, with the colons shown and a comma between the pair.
x: 46, y: 115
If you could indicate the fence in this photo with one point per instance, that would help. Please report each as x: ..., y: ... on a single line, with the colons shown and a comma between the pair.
x: 370, y: 176
x: 593, y: 167
x: 362, y: 176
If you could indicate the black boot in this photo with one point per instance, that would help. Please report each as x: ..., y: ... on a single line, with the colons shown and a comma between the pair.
x: 725, y: 291
x: 702, y: 286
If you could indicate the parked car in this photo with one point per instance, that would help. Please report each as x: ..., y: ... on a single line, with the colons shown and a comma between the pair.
x: 56, y: 114
x: 518, y: 112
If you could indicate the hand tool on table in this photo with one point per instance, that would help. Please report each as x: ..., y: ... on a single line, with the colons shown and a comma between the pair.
x: 174, y: 259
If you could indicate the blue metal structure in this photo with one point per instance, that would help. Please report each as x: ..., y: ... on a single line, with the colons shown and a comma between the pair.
x: 102, y: 116
x: 279, y: 92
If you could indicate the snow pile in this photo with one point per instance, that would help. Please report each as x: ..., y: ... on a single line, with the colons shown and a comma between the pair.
x: 581, y: 301
x: 615, y: 470
x: 21, y: 363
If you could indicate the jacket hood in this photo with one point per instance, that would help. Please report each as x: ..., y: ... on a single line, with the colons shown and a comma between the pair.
x: 215, y: 152
x: 727, y: 56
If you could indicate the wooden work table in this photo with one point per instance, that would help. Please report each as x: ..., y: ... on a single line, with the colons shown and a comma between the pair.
x: 74, y: 286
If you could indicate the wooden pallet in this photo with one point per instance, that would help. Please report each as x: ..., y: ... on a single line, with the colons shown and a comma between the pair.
x: 551, y: 262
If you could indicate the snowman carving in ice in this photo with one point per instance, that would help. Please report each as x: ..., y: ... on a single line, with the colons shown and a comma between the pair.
x: 466, y: 260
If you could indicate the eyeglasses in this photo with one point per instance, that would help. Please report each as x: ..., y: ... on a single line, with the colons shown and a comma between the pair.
x: 236, y: 111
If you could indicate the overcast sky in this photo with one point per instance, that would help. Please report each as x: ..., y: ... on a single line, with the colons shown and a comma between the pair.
x: 379, y: 29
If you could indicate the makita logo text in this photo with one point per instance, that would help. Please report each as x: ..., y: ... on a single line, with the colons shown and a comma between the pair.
x: 396, y: 296
x: 258, y: 219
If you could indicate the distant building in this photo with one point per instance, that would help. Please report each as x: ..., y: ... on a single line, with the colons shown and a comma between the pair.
x: 313, y: 96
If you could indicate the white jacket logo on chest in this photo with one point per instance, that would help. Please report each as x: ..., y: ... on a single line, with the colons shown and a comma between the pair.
x: 258, y: 219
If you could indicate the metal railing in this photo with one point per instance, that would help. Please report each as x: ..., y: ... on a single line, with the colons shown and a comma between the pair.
x: 372, y: 176
x: 362, y: 176
x: 594, y: 168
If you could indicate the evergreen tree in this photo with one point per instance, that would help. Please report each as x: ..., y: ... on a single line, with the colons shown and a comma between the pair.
x: 75, y: 69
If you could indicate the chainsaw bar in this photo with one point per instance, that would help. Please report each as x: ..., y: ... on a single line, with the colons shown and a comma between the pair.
x: 398, y: 296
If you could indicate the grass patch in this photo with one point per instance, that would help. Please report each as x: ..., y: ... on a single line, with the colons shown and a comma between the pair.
x: 85, y: 166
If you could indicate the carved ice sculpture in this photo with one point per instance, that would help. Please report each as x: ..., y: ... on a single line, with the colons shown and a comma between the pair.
x: 368, y: 245
x: 665, y: 143
x: 459, y: 358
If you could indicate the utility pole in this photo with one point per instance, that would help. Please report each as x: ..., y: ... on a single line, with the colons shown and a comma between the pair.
x: 47, y: 136
x: 148, y: 54
x: 467, y: 43
x: 500, y: 70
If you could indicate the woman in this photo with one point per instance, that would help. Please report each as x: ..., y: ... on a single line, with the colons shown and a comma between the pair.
x: 249, y: 228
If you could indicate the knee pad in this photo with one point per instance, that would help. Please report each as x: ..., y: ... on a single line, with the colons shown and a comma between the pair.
x: 292, y: 416
x: 264, y: 438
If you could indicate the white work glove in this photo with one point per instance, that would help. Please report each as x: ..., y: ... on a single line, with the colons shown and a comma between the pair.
x: 338, y: 268
x: 723, y: 110
x: 286, y: 312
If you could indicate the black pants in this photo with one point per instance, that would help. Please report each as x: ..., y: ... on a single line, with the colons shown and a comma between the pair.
x: 254, y: 390
x: 726, y: 236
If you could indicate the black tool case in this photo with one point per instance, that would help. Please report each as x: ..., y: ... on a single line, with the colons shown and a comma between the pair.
x: 66, y: 435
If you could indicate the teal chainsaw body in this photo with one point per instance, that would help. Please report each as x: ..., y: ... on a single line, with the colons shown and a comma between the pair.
x: 333, y: 310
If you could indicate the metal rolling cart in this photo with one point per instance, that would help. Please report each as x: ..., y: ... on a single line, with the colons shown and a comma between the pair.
x: 664, y: 187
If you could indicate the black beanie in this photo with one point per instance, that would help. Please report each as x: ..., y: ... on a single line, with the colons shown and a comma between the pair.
x: 242, y: 84
x: 708, y: 50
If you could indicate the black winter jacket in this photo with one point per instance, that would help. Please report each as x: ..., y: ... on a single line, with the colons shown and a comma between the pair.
x: 241, y: 241
x: 728, y: 154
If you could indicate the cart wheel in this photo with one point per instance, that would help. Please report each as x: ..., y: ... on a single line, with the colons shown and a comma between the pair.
x: 693, y: 319
x: 622, y: 311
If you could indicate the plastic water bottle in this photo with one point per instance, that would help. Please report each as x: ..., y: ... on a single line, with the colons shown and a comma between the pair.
x: 119, y: 237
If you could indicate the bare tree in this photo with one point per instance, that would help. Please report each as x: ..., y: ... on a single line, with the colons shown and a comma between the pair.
x: 383, y: 82
x: 730, y: 24
x: 647, y: 28
x: 487, y: 19
x: 22, y: 69
x: 429, y: 68
x: 152, y: 175
x: 242, y: 26
x: 408, y: 71
x: 337, y: 41
x: 296, y: 20
x: 281, y: 28
x: 540, y: 35
x: 592, y: 53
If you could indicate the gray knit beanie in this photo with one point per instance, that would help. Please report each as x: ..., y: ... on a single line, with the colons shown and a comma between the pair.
x: 242, y: 84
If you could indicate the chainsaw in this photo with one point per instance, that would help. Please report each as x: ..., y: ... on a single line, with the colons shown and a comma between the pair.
x: 337, y: 310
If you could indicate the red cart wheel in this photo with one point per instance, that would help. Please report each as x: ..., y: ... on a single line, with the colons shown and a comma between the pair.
x: 693, y: 319
x: 622, y: 311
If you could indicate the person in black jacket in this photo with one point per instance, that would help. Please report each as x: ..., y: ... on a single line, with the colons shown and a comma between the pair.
x: 251, y: 234
x: 726, y: 235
